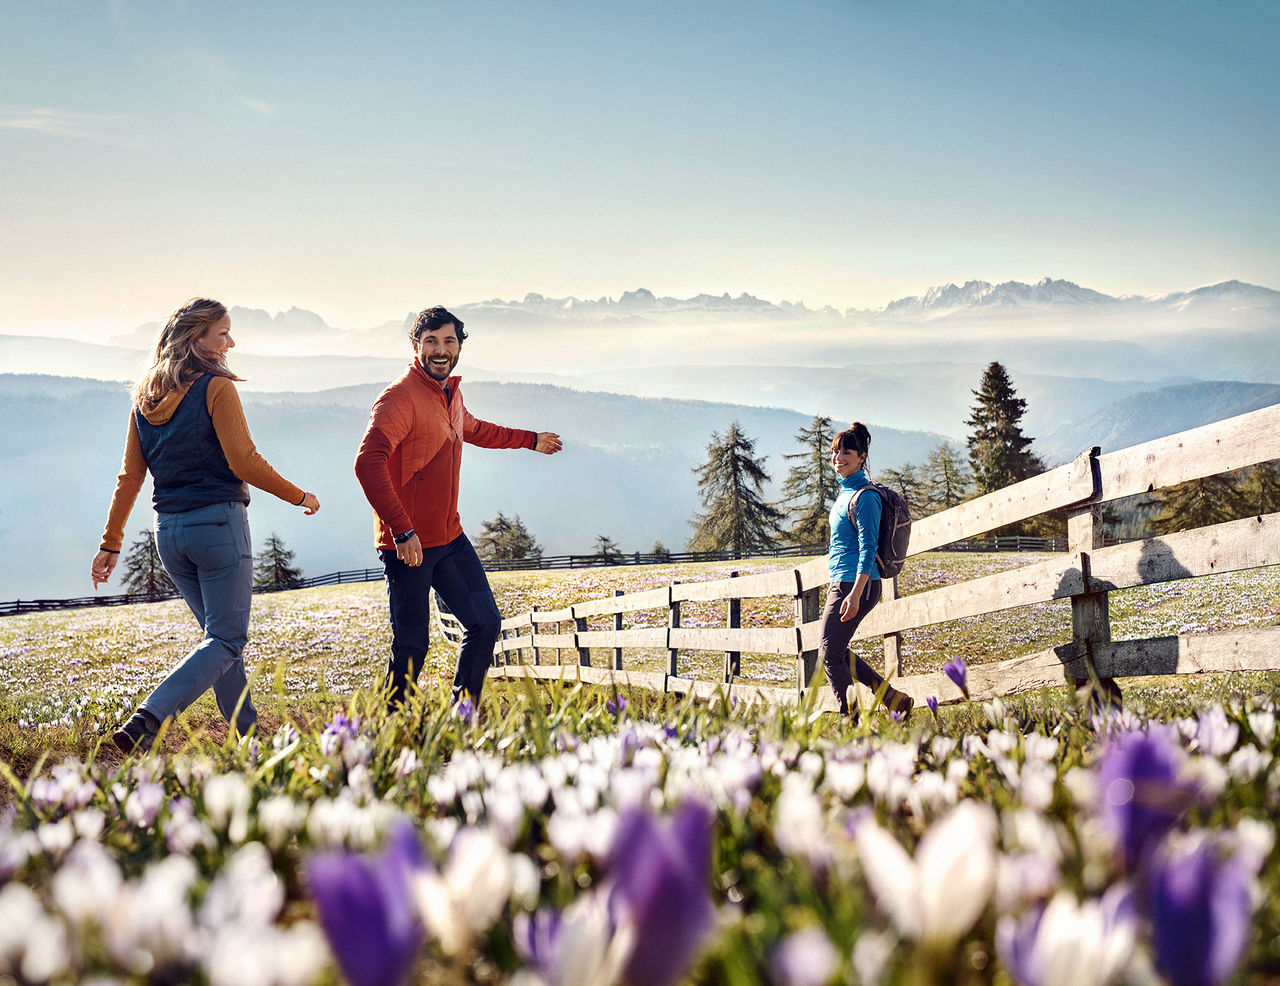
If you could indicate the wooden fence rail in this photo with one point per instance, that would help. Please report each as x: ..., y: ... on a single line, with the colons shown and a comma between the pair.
x: 1085, y: 572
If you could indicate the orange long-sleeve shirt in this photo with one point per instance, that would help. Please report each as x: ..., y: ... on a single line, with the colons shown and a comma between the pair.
x: 410, y: 456
x: 232, y: 430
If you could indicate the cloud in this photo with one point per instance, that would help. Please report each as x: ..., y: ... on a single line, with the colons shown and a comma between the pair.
x: 58, y: 122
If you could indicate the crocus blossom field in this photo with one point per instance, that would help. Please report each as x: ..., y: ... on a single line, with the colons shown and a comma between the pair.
x: 571, y: 835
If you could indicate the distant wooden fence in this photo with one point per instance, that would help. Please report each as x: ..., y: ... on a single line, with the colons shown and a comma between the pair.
x: 1085, y: 573
x: 18, y: 606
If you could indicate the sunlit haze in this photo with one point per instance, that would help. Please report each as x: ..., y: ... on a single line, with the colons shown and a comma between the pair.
x: 365, y: 161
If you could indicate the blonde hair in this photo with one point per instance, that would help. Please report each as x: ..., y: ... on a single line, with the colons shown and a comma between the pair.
x: 178, y: 360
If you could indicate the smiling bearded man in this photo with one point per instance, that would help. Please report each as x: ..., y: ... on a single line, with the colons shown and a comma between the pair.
x: 408, y: 465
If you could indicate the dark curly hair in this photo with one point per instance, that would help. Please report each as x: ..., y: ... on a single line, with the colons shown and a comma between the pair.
x: 430, y: 319
x: 855, y: 438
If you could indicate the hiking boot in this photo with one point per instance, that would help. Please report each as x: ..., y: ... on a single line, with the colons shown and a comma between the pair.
x: 137, y: 734
x: 899, y: 702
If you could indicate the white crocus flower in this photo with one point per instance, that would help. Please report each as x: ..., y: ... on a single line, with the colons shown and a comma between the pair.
x: 1077, y: 944
x: 590, y: 951
x: 467, y: 897
x: 226, y: 799
x: 937, y: 896
x: 800, y: 826
x: 1263, y: 725
x: 280, y: 817
x: 406, y: 763
x: 86, y: 885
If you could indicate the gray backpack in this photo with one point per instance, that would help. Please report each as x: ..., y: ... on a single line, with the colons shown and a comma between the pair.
x: 895, y: 528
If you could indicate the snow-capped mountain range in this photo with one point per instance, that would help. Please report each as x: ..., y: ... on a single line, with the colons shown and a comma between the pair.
x: 979, y: 297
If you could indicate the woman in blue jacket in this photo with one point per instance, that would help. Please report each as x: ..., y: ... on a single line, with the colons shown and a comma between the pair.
x: 855, y: 578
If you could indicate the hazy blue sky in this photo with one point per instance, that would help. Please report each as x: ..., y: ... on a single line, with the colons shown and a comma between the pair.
x: 365, y: 160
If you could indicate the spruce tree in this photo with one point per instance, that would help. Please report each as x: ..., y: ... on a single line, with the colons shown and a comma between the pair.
x: 506, y: 539
x: 810, y: 486
x: 947, y: 479
x: 273, y: 566
x: 143, y: 571
x: 1198, y: 503
x: 735, y: 517
x: 659, y: 551
x: 999, y: 453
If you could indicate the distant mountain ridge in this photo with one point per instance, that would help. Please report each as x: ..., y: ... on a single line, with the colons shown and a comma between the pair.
x: 940, y: 301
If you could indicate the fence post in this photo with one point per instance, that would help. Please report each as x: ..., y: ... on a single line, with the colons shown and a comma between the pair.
x: 580, y: 626
x: 807, y: 607
x: 733, y: 658
x: 673, y: 623
x: 1090, y: 612
x: 892, y: 641
x: 533, y: 634
x: 617, y: 625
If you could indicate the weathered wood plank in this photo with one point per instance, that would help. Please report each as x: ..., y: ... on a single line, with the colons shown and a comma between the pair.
x: 541, y: 616
x: 1244, y: 440
x: 1224, y: 650
x: 756, y: 640
x: 1052, y: 490
x: 635, y: 637
x: 629, y: 603
x: 1253, y: 542
x: 1056, y: 578
x: 813, y: 574
x: 558, y: 640
x: 520, y: 622
x: 779, y: 583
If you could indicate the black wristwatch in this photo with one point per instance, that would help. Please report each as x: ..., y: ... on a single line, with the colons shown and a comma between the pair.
x: 402, y: 538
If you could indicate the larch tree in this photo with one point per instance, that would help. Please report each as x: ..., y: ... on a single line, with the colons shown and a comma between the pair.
x: 506, y: 539
x: 1260, y: 490
x: 947, y: 479
x: 1198, y: 503
x: 908, y: 481
x: 607, y: 550
x: 810, y: 487
x: 143, y: 571
x: 273, y: 566
x: 735, y: 515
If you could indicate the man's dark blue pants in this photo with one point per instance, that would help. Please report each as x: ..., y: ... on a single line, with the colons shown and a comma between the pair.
x: 455, y: 572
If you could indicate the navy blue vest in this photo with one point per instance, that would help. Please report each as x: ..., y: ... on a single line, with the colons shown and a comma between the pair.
x: 187, y: 464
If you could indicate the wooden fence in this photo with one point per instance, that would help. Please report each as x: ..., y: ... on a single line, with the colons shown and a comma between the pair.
x: 1085, y: 574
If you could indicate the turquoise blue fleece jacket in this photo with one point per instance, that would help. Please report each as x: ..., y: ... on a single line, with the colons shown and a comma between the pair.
x: 853, y: 552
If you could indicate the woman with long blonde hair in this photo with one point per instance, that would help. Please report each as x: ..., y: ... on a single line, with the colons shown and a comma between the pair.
x: 187, y: 429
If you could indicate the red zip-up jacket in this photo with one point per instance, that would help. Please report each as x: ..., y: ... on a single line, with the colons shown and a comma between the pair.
x: 411, y: 454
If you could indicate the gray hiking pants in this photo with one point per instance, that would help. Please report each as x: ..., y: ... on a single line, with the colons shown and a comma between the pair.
x: 208, y: 555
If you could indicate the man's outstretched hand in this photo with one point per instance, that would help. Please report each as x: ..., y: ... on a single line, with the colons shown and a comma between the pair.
x: 548, y: 443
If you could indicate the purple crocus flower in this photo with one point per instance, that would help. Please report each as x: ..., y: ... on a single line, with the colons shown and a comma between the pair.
x: 958, y: 672
x: 660, y: 872
x: 615, y: 705
x: 1200, y: 908
x: 932, y: 702
x: 1144, y: 792
x: 465, y: 709
x: 537, y: 938
x: 366, y: 909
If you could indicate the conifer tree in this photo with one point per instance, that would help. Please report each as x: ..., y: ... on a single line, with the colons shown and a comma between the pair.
x: 735, y: 516
x: 1198, y: 503
x: 947, y: 479
x: 607, y: 550
x: 910, y: 484
x: 506, y: 539
x: 659, y: 551
x: 999, y: 453
x: 273, y: 566
x: 810, y: 486
x: 143, y: 571
x: 1260, y: 490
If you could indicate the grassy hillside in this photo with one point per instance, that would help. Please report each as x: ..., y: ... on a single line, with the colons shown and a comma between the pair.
x: 564, y: 835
